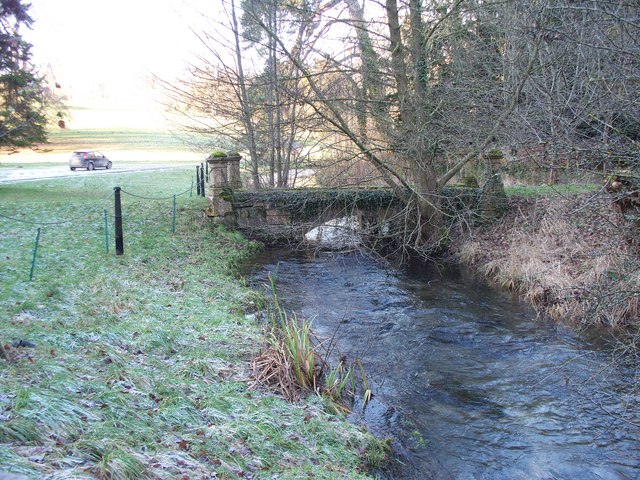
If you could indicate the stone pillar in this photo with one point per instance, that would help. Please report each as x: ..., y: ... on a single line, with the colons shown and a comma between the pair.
x: 233, y: 160
x: 493, y: 202
x: 218, y: 179
x: 219, y: 192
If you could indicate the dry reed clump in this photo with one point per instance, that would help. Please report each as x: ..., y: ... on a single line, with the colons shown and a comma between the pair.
x: 469, y: 252
x: 289, y: 363
x: 273, y: 369
x: 292, y: 365
x: 567, y: 259
x: 538, y: 266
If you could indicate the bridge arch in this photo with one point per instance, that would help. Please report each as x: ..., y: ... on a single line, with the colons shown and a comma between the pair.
x: 287, y: 215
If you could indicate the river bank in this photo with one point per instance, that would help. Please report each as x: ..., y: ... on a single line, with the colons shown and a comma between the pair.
x: 137, y: 367
x: 571, y: 257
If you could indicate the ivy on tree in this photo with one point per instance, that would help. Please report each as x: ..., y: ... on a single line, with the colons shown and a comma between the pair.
x: 22, y: 96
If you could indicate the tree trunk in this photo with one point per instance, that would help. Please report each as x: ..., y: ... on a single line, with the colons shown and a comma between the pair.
x: 246, y: 111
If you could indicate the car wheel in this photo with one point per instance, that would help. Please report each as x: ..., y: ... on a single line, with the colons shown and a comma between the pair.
x: 73, y: 169
x: 109, y: 165
x: 90, y: 166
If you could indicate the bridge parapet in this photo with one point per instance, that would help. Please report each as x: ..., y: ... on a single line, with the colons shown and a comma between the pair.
x: 276, y: 215
x: 287, y: 215
x: 284, y: 215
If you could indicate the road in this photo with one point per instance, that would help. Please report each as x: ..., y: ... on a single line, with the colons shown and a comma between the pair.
x: 25, y: 174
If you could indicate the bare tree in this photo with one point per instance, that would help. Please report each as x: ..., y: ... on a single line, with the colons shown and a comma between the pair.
x: 417, y: 84
x: 582, y: 106
x: 419, y: 89
x: 244, y: 95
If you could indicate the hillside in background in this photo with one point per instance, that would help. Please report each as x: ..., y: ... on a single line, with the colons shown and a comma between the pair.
x: 121, y: 133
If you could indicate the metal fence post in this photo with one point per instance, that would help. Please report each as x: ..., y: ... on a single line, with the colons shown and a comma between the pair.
x: 198, y: 181
x: 202, y: 190
x: 35, y: 253
x: 173, y: 226
x: 118, y: 218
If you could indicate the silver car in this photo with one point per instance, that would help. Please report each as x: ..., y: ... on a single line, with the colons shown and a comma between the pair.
x: 89, y: 159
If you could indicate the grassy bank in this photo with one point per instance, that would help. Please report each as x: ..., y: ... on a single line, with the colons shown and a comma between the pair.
x: 137, y: 366
x: 568, y: 254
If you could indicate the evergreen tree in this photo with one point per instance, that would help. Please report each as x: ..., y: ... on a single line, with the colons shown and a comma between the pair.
x: 22, y: 96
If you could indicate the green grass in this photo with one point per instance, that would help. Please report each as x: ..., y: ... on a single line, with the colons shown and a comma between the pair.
x: 546, y: 190
x: 112, y: 138
x: 7, y: 164
x: 140, y: 364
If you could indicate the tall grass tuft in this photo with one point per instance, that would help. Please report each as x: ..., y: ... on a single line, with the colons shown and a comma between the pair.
x: 119, y: 464
x: 296, y: 339
x: 294, y: 362
x: 20, y: 430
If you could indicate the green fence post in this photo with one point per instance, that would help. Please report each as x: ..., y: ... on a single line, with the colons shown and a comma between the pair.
x: 191, y: 189
x: 173, y: 227
x: 35, y: 252
x: 106, y: 231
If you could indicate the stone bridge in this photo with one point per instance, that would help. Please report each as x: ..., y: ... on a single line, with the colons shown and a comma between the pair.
x: 288, y: 215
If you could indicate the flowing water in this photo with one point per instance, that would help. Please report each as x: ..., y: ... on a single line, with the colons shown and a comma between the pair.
x: 464, y: 379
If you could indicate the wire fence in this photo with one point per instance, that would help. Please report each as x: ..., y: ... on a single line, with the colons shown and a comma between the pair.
x: 104, y: 220
x: 41, y: 223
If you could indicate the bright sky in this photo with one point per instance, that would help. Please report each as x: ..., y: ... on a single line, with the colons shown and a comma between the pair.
x: 108, y: 49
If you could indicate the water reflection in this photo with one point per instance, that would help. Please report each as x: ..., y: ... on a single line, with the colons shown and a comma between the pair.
x: 470, y: 385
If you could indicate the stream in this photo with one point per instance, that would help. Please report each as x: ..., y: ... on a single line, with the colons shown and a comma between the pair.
x: 464, y: 379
